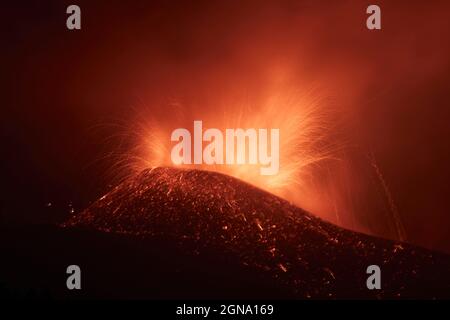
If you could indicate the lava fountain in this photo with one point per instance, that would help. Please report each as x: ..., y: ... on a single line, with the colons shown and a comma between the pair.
x: 306, y: 144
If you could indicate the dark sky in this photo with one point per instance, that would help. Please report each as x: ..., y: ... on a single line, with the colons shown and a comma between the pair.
x: 65, y: 91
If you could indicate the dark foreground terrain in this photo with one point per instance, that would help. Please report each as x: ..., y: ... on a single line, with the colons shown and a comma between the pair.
x: 173, y: 233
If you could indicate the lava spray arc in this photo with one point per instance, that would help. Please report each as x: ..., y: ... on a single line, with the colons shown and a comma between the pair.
x: 299, y: 138
x: 309, y: 161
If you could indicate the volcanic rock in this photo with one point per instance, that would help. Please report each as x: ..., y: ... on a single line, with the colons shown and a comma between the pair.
x: 205, y: 213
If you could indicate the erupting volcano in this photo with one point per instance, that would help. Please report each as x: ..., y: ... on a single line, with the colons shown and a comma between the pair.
x: 207, y: 212
x: 267, y: 150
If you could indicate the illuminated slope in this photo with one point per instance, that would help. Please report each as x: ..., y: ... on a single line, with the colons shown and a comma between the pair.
x: 203, y: 211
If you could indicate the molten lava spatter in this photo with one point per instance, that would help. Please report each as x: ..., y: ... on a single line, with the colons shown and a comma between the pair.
x: 209, y: 211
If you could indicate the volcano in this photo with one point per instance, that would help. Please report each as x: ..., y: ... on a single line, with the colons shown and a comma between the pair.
x: 229, y: 231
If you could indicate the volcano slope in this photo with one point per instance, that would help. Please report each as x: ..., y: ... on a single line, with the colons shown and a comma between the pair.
x: 204, y: 213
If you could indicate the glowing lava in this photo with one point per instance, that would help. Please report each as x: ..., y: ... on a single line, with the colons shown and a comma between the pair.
x: 241, y: 147
x: 304, y: 139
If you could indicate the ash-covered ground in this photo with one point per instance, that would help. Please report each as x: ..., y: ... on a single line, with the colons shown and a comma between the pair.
x: 226, y: 238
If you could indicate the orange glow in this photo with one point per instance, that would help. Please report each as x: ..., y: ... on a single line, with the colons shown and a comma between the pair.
x: 305, y: 145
